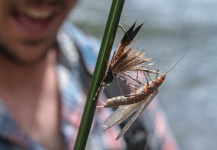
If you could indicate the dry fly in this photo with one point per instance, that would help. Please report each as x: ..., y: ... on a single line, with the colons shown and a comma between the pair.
x: 124, y: 59
x: 123, y: 112
x: 135, y: 102
x: 141, y: 94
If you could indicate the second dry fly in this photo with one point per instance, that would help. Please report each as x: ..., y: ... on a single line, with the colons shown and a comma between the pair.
x: 139, y: 95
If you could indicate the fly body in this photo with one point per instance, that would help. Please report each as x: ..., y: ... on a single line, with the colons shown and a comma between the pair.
x: 139, y: 95
x: 124, y: 112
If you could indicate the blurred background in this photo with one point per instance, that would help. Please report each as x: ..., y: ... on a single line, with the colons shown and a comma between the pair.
x: 189, y: 95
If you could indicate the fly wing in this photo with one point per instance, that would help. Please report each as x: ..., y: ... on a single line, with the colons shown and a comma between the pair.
x: 118, y: 116
x: 143, y: 106
x: 144, y: 68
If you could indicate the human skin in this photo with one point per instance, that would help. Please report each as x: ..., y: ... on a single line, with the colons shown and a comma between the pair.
x: 28, y: 82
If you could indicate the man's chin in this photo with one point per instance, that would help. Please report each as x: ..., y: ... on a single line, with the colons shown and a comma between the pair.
x: 19, y: 60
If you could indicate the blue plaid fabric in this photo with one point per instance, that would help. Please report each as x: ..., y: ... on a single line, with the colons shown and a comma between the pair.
x: 73, y: 91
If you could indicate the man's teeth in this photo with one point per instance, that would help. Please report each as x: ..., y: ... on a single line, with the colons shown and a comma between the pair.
x: 38, y: 14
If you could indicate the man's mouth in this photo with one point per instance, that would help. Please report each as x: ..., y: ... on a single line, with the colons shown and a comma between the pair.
x: 37, y: 13
x: 35, y: 19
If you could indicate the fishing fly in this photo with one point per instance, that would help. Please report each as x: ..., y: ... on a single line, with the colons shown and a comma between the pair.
x: 134, y: 103
x: 123, y: 112
x: 141, y: 94
x: 124, y: 59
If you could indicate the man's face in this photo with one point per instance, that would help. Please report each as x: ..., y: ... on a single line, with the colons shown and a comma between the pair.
x: 29, y: 27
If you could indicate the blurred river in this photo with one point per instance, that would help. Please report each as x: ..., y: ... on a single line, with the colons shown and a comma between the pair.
x: 189, y: 94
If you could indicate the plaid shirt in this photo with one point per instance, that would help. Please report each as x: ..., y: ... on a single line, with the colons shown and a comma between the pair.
x: 73, y: 88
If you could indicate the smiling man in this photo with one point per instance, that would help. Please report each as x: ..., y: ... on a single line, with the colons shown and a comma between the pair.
x: 28, y: 80
x: 29, y: 27
x: 45, y: 71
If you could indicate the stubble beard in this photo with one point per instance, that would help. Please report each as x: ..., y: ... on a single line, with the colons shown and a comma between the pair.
x: 7, y: 53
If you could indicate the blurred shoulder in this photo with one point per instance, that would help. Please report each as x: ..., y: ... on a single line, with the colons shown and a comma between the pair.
x: 76, y: 44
